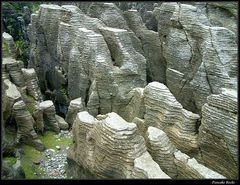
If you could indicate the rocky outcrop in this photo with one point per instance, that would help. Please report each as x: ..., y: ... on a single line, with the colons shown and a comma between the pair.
x: 13, y: 68
x: 218, y: 133
x: 63, y: 125
x: 151, y: 45
x: 135, y: 107
x: 109, y: 14
x: 173, y: 162
x: 200, y: 58
x: 165, y: 112
x: 8, y: 46
x: 189, y: 168
x: 49, y: 116
x: 74, y: 107
x: 25, y: 122
x: 31, y: 80
x: 109, y: 147
x: 96, y: 62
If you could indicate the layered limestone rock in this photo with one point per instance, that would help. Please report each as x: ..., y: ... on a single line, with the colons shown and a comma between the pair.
x: 8, y: 46
x: 74, y: 107
x: 13, y: 68
x: 165, y: 112
x: 10, y: 96
x: 189, y: 168
x: 109, y: 147
x: 25, y: 122
x: 135, y: 107
x: 97, y: 62
x: 151, y: 45
x: 49, y: 116
x: 173, y: 162
x: 128, y: 66
x: 32, y: 84
x: 218, y: 133
x: 38, y: 117
x: 63, y: 125
x: 109, y: 14
x: 200, y: 58
x: 161, y: 150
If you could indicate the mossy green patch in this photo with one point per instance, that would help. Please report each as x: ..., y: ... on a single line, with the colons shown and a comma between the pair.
x: 51, y: 141
x: 5, y: 50
x: 11, y: 160
x: 30, y: 155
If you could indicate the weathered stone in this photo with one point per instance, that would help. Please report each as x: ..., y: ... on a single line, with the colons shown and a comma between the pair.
x: 109, y: 14
x: 13, y: 67
x: 191, y: 169
x: 10, y: 96
x: 220, y: 139
x: 74, y: 107
x: 161, y: 150
x: 111, y: 148
x: 49, y: 116
x: 135, y: 107
x: 32, y: 84
x: 63, y: 125
x: 38, y: 117
x: 8, y: 46
x: 25, y: 122
x: 165, y: 112
x: 207, y: 54
x: 156, y: 67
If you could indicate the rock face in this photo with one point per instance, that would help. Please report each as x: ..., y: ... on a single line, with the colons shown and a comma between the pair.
x: 151, y: 45
x: 32, y: 84
x: 206, y: 64
x: 74, y: 107
x: 100, y: 64
x: 173, y: 162
x: 8, y: 46
x: 99, y: 60
x: 49, y: 116
x: 190, y: 168
x: 165, y: 112
x: 25, y: 122
x: 162, y: 150
x: 109, y: 147
x: 220, y: 139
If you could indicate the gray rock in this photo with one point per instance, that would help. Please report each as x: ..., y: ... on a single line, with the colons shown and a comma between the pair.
x: 107, y: 142
x: 25, y: 122
x: 220, y: 109
x: 161, y: 150
x: 150, y: 42
x: 166, y: 113
x: 207, y: 62
x: 63, y: 125
x: 32, y: 84
x: 74, y: 107
x: 8, y: 46
x: 49, y: 116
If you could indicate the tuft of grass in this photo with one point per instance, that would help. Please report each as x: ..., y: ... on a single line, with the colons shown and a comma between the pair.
x: 11, y: 160
x: 50, y: 141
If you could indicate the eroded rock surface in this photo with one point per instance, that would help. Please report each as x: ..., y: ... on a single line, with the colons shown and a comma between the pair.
x: 109, y: 147
x: 220, y: 139
x: 165, y: 112
x: 198, y: 63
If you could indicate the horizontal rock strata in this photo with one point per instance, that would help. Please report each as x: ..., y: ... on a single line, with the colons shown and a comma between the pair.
x: 165, y: 112
x: 109, y: 147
